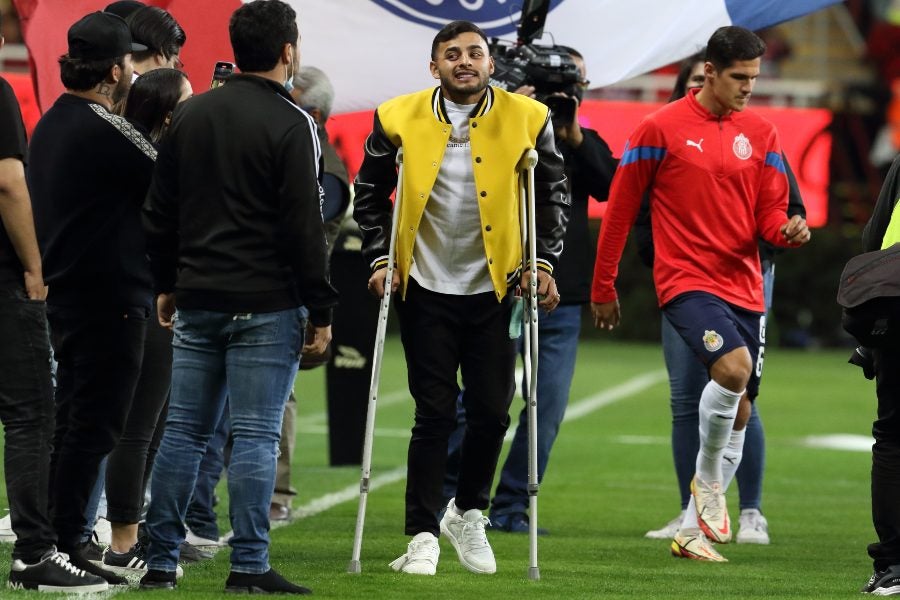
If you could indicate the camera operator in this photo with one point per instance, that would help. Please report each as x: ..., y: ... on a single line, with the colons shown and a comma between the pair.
x: 589, y: 166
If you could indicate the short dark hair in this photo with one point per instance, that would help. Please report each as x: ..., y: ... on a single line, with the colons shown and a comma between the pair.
x: 156, y: 29
x: 152, y: 97
x: 452, y: 30
x: 732, y: 43
x: 259, y: 30
x: 82, y: 75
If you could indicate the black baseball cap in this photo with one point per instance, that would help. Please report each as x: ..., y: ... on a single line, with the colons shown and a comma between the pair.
x: 123, y: 8
x: 101, y: 35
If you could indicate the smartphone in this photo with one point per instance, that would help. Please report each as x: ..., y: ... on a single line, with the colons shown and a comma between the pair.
x: 221, y: 74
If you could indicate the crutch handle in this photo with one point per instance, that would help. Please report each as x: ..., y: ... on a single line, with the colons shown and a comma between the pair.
x: 528, y: 161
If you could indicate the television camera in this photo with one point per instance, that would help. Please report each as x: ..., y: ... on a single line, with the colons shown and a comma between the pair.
x: 550, y: 69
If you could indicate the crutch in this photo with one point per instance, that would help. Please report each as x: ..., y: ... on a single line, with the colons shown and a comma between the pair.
x: 380, y: 332
x: 530, y: 342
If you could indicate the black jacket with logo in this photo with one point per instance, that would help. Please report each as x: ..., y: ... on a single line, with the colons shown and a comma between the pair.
x: 88, y: 172
x: 233, y: 216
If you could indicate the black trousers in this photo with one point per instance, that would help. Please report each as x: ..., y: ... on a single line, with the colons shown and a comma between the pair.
x: 442, y: 335
x: 26, y: 409
x: 99, y: 353
x: 886, y: 461
x: 129, y: 464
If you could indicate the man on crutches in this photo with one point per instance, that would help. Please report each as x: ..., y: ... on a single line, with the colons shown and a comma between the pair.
x: 458, y: 262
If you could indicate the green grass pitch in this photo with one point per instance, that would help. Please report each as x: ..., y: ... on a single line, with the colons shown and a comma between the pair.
x: 609, y: 480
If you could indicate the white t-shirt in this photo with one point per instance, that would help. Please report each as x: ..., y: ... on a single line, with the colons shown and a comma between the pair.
x: 449, y: 256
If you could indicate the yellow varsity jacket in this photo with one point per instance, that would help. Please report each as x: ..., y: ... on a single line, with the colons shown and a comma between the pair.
x: 501, y: 128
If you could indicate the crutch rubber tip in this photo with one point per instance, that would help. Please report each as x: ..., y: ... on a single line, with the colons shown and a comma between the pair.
x: 534, y: 573
x: 354, y: 567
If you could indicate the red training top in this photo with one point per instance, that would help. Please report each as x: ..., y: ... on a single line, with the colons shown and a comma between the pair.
x: 716, y: 184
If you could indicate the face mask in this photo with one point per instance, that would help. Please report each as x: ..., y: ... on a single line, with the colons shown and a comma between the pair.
x: 289, y: 82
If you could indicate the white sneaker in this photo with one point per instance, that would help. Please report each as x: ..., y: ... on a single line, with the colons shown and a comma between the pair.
x: 667, y: 531
x: 421, y: 556
x: 103, y: 531
x: 753, y: 527
x: 6, y: 531
x: 466, y: 533
x: 203, y: 543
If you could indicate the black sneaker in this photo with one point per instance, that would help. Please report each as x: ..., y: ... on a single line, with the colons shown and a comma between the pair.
x: 264, y: 583
x: 92, y: 550
x: 158, y: 580
x: 190, y: 553
x: 78, y: 559
x: 129, y: 563
x: 884, y: 583
x: 53, y: 573
x: 513, y: 523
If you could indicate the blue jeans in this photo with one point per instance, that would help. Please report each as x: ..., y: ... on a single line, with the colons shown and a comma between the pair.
x: 96, y: 506
x: 201, y: 514
x: 687, y: 378
x: 253, y: 358
x: 557, y: 347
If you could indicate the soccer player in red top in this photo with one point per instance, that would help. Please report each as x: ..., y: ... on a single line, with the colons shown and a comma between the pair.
x: 716, y: 181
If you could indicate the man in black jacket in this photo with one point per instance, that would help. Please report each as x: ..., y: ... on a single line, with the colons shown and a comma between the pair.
x: 88, y: 172
x: 234, y: 231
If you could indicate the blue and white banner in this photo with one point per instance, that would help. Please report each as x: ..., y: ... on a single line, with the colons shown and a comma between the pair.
x: 376, y: 49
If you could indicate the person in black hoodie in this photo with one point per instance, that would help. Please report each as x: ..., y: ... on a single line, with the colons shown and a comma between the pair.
x: 234, y: 232
x: 88, y: 170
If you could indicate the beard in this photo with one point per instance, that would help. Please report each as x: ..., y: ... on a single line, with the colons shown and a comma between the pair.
x: 453, y: 88
x: 121, y: 90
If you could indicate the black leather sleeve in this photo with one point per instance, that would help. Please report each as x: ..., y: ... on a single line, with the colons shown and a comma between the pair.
x: 594, y: 165
x: 551, y: 199
x: 372, y: 206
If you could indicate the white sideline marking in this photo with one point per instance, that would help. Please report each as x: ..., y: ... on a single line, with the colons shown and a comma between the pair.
x: 575, y: 411
x: 351, y: 492
x: 379, y: 432
x: 613, y: 394
x: 643, y: 440
x: 388, y: 399
x: 840, y: 441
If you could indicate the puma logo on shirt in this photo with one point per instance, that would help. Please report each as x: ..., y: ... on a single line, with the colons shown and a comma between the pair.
x: 696, y: 144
